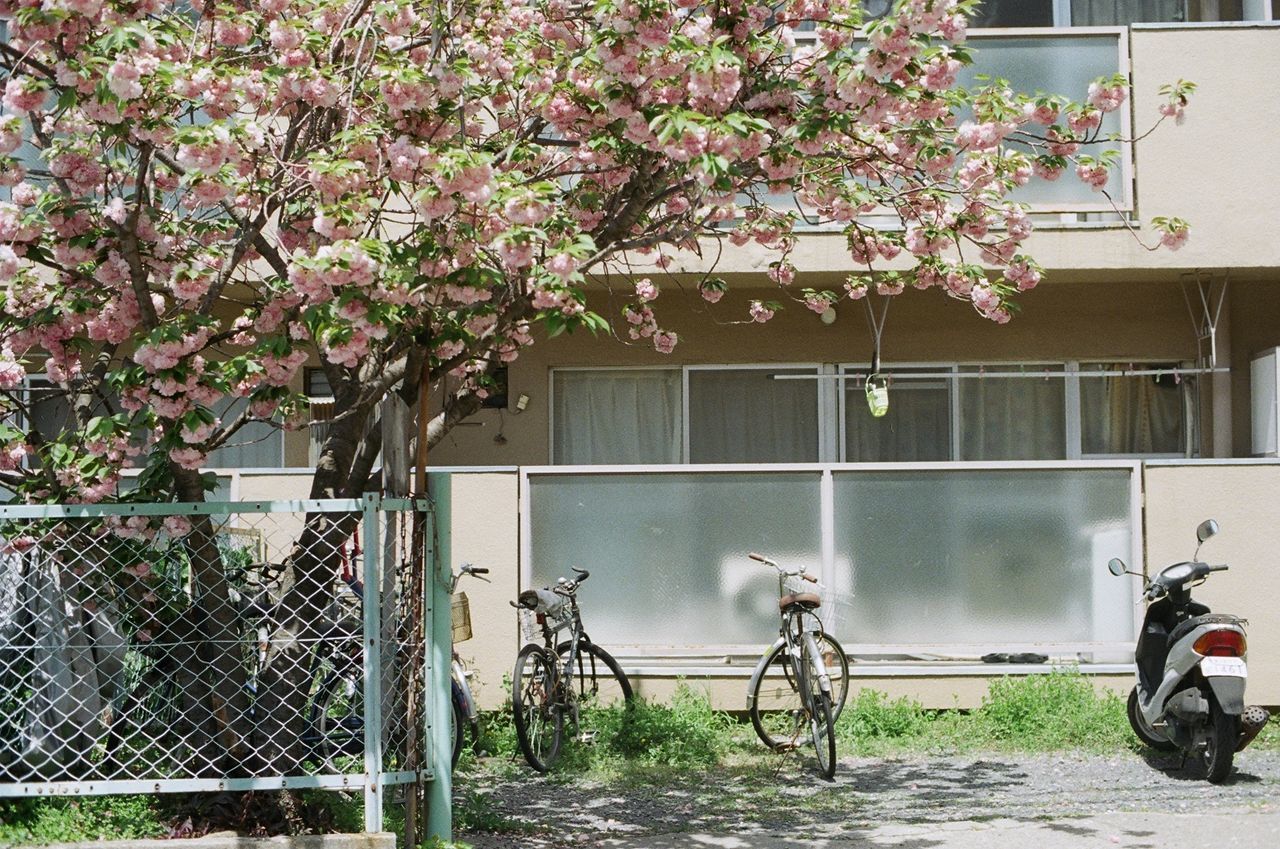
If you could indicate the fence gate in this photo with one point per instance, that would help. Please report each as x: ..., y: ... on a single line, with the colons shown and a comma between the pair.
x: 205, y: 647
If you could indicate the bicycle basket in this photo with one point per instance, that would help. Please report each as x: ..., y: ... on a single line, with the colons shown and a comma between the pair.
x: 530, y: 630
x: 461, y: 610
x: 837, y: 604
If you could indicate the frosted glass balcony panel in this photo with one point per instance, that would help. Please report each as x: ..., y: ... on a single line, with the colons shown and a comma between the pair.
x: 1055, y: 64
x: 668, y: 552
x: 986, y: 556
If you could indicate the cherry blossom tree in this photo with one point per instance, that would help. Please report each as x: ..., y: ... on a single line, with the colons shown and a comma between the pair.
x: 204, y: 196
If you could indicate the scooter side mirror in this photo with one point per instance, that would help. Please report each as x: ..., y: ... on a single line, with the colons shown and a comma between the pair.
x: 1207, y: 528
x: 1116, y: 566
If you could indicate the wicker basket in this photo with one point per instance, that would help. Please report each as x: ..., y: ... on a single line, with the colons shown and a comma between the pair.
x: 461, y: 610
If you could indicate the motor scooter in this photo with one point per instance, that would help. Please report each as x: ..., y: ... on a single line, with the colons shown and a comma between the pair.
x: 1191, y: 670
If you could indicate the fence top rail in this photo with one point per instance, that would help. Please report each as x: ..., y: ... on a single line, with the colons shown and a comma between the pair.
x: 209, y: 508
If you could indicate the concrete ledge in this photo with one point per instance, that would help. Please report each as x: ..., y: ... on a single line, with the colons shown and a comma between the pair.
x: 226, y: 840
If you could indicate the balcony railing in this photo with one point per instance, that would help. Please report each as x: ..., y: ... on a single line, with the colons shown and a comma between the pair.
x: 946, y: 561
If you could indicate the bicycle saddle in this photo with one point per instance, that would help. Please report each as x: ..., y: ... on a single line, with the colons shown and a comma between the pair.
x: 809, y: 601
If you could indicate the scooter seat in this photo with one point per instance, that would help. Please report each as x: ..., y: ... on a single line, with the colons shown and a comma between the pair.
x: 1196, y: 621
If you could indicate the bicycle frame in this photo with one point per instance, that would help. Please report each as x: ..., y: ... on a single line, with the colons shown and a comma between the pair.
x: 792, y: 634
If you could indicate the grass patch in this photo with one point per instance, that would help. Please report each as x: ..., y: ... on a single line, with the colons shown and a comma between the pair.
x: 687, y: 733
x: 26, y: 822
x: 1058, y: 710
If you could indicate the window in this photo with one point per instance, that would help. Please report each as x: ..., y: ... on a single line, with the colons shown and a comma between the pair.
x: 1012, y: 418
x: 937, y: 413
x: 315, y: 383
x: 637, y: 416
x: 745, y: 416
x: 1109, y: 13
x: 1133, y: 415
x: 256, y: 445
x: 1122, y: 12
x: 916, y: 428
x: 1013, y: 13
x: 616, y: 416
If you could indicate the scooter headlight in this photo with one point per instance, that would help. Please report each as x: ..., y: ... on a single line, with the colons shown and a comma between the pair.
x: 1221, y: 643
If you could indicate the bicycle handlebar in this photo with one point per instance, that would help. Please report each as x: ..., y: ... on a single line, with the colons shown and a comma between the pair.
x: 789, y: 573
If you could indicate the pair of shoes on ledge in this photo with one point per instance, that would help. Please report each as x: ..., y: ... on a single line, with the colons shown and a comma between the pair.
x: 1025, y: 657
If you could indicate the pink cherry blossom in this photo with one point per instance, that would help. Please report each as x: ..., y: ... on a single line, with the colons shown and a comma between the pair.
x: 759, y: 312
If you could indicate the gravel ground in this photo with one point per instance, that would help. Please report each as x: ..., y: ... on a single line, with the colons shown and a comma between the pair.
x: 507, y: 806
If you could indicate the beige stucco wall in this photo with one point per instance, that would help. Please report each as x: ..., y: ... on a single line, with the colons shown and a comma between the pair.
x: 486, y: 533
x: 1245, y: 499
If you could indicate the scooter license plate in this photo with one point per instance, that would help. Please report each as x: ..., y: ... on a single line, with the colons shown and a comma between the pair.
x: 1220, y: 666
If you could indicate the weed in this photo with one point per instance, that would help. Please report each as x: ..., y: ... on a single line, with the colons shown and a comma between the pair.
x: 1057, y: 710
x: 36, y: 821
x: 870, y: 716
x: 476, y: 812
x: 687, y: 733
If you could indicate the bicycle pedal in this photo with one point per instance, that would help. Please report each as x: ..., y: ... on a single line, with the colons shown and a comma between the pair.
x: 783, y: 748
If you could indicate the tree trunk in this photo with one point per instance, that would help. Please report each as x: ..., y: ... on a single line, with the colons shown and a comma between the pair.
x: 220, y: 703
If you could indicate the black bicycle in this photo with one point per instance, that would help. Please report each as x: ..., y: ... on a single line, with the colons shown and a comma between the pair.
x: 555, y: 683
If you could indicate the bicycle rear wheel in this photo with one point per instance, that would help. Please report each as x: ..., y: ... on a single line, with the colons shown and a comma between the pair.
x: 539, y: 714
x: 337, y: 715
x: 457, y: 724
x: 777, y: 711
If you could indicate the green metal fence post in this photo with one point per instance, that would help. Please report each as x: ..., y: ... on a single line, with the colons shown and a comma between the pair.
x: 373, y: 720
x: 439, y: 650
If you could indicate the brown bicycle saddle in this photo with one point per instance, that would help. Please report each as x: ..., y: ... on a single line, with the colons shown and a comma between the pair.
x: 809, y: 601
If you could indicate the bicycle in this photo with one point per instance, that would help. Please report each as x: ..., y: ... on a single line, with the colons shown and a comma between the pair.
x: 463, y: 713
x: 798, y: 688
x: 558, y: 682
x: 152, y: 709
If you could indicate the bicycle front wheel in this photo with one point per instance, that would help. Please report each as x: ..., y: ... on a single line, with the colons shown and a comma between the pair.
x: 598, y: 683
x: 777, y: 711
x: 539, y: 714
x: 823, y: 729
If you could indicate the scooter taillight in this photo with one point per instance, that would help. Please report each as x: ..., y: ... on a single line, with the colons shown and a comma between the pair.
x: 1221, y: 643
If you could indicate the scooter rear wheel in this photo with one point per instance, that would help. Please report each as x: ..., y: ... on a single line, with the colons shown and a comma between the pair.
x: 1220, y: 744
x: 1144, y: 731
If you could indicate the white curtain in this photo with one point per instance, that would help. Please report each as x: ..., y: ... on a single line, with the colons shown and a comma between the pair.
x: 916, y: 428
x: 1100, y: 13
x: 744, y: 416
x: 618, y: 417
x: 1131, y: 415
x: 1013, y: 418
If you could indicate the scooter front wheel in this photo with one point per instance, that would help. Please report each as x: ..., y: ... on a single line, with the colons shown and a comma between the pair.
x: 1144, y: 731
x: 1220, y: 744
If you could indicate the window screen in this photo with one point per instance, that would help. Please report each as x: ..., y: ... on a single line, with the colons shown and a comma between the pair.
x: 616, y: 417
x: 745, y: 416
x: 1012, y: 418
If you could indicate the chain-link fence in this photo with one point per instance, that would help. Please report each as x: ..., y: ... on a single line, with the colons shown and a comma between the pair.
x: 168, y: 647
